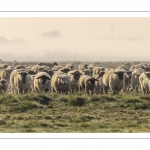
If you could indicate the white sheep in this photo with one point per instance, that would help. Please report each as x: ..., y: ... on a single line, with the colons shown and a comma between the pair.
x: 135, y: 79
x: 113, y: 80
x: 144, y: 80
x: 87, y: 83
x: 20, y: 81
x: 74, y: 78
x: 61, y: 83
x: 42, y: 82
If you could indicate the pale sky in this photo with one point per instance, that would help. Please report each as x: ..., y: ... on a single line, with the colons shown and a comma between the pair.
x: 75, y: 39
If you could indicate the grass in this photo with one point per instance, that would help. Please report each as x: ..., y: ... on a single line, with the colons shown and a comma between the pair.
x: 77, y: 113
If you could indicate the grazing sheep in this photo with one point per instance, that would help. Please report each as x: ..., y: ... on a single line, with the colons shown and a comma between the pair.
x: 113, y: 80
x: 144, y: 80
x: 135, y: 79
x: 87, y: 83
x: 3, y: 85
x: 42, y: 82
x: 74, y: 78
x: 20, y: 81
x: 61, y: 83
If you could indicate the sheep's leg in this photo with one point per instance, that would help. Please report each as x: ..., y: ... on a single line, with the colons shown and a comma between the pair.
x: 137, y: 89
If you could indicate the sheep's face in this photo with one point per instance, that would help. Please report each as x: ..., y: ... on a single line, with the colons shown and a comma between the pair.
x: 76, y: 75
x: 44, y: 79
x: 120, y: 75
x: 31, y: 72
x: 101, y: 73
x: 65, y: 70
x: 92, y: 81
x: 147, y: 74
x: 22, y: 76
x: 3, y: 82
x: 63, y: 81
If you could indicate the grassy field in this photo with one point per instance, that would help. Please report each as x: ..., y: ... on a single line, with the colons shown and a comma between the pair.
x: 78, y: 113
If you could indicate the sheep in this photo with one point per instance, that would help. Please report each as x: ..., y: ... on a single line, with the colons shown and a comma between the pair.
x: 5, y: 74
x: 42, y: 68
x: 74, y: 78
x: 61, y: 83
x: 97, y: 70
x: 42, y: 82
x: 87, y: 72
x: 87, y: 83
x: 19, y: 67
x: 83, y: 66
x: 50, y: 65
x: 4, y: 66
x: 127, y: 76
x: 135, y: 79
x: 35, y: 68
x: 99, y: 84
x: 3, y: 85
x: 144, y: 80
x: 64, y: 69
x: 56, y: 68
x: 113, y: 80
x: 20, y: 81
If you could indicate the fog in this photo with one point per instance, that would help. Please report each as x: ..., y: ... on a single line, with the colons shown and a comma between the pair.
x: 74, y: 39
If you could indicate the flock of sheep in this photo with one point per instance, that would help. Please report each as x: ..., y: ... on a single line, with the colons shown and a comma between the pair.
x: 87, y: 78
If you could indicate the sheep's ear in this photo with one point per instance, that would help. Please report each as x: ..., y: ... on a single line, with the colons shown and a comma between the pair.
x: 48, y: 78
x: 39, y: 77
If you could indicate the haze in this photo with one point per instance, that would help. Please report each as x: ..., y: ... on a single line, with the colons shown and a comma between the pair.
x: 75, y: 39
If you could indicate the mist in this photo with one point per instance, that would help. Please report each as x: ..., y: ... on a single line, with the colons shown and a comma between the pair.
x: 74, y: 39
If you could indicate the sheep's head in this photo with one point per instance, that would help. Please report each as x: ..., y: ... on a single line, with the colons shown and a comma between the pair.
x: 65, y: 70
x: 101, y: 73
x: 63, y: 79
x: 43, y: 78
x: 120, y: 73
x: 75, y: 75
x: 22, y: 76
x: 3, y: 82
x: 92, y: 80
x: 147, y: 74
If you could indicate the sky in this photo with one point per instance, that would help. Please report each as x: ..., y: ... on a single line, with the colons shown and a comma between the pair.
x: 75, y: 39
